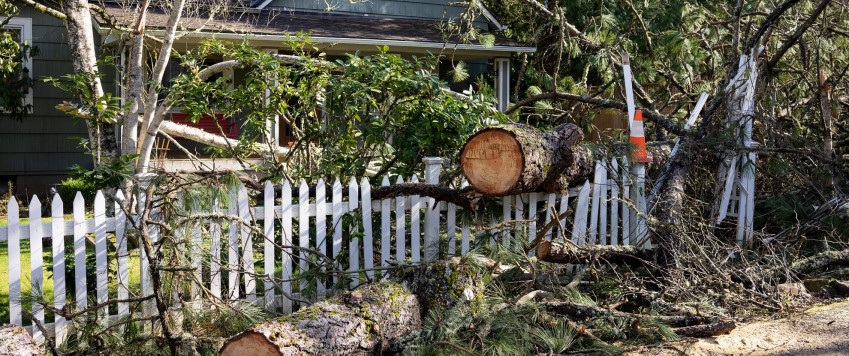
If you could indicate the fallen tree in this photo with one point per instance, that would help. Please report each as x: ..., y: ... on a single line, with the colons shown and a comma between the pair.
x: 557, y: 252
x: 684, y: 325
x: 802, y: 267
x: 517, y: 158
x: 362, y: 322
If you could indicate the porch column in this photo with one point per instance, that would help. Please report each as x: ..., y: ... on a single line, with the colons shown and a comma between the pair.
x: 272, y: 124
x: 502, y: 82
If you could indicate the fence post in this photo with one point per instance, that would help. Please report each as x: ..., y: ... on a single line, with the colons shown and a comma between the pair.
x: 433, y: 167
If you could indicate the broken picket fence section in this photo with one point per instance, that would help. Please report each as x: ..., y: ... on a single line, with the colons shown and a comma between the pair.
x: 605, y: 210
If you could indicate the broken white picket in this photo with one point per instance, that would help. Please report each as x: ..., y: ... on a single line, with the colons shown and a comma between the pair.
x: 737, y: 171
x: 58, y: 250
x: 286, y: 213
x: 353, y: 243
x: 268, y: 244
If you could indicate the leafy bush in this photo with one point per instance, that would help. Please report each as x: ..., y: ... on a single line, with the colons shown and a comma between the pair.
x: 110, y: 174
x: 69, y: 188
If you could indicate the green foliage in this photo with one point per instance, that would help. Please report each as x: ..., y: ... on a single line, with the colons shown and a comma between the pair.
x: 344, y: 115
x: 70, y: 186
x: 109, y: 174
x: 100, y: 109
x: 14, y: 74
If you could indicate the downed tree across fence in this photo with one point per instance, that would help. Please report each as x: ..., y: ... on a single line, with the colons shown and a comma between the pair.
x: 601, y: 211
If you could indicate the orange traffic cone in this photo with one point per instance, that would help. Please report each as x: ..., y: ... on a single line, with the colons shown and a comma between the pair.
x: 638, y: 138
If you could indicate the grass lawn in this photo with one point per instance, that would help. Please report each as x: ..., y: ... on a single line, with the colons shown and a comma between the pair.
x: 4, y: 221
x: 132, y: 264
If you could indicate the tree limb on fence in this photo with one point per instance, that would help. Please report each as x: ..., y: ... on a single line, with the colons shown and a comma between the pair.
x: 459, y: 197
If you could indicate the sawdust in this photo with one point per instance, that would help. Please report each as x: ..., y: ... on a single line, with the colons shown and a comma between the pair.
x: 817, y: 331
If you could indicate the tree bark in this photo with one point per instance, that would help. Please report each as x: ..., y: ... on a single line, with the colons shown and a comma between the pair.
x: 555, y: 252
x: 440, y: 285
x: 706, y: 330
x: 438, y: 192
x: 579, y: 311
x: 150, y: 126
x: 362, y: 322
x: 81, y: 40
x: 517, y: 158
x: 130, y: 131
x: 15, y: 340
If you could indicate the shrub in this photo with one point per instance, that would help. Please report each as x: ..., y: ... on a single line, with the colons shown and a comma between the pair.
x: 69, y: 188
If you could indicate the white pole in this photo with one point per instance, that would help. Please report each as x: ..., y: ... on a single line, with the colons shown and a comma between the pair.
x: 629, y: 87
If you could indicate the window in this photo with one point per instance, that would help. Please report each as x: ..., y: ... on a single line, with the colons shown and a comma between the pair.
x: 21, y: 30
x: 206, y: 122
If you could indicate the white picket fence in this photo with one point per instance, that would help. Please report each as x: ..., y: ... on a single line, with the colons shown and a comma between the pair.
x: 605, y: 212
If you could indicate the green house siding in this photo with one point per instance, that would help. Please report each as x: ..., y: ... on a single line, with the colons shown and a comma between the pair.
x: 414, y: 9
x: 37, y: 152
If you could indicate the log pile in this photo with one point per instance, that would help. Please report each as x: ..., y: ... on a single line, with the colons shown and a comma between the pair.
x: 362, y: 322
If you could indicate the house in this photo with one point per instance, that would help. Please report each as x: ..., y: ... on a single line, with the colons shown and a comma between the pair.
x: 35, y: 154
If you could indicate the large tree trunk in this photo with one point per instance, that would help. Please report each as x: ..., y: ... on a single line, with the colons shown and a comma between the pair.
x: 81, y: 41
x: 517, y: 158
x: 15, y: 340
x: 132, y: 93
x: 514, y: 159
x: 151, y: 123
x: 362, y: 322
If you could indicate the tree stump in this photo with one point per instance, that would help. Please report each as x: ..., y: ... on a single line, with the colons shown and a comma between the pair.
x: 517, y: 158
x: 15, y: 340
x: 362, y: 322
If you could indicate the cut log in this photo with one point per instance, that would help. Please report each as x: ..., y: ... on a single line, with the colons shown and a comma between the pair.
x: 556, y: 252
x: 513, y: 159
x: 15, y: 340
x: 362, y: 322
x: 517, y: 158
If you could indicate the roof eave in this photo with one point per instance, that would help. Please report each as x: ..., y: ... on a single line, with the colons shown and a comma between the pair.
x: 356, y: 41
x: 494, y: 21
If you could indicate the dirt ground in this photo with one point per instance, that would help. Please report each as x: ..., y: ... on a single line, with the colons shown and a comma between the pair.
x: 820, y: 331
